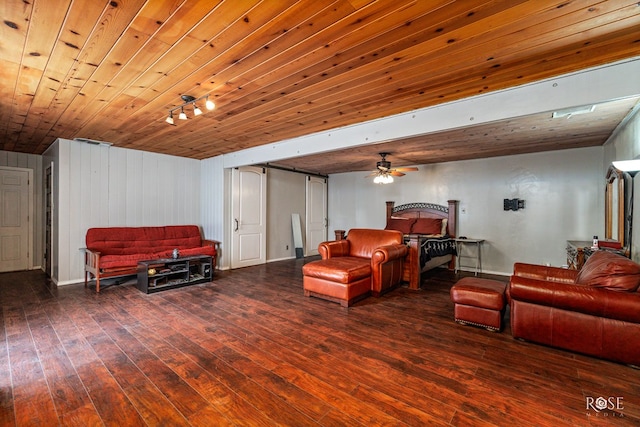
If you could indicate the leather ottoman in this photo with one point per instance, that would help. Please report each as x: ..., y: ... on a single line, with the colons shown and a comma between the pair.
x: 344, y: 280
x: 479, y: 302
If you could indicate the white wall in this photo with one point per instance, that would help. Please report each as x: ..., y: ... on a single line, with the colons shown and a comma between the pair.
x: 286, y: 193
x: 563, y: 192
x: 34, y: 163
x: 99, y: 186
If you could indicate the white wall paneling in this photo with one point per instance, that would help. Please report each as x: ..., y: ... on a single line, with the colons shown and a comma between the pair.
x: 213, y: 197
x: 101, y: 186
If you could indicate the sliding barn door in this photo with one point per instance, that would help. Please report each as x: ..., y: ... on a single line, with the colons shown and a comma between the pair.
x: 316, y: 219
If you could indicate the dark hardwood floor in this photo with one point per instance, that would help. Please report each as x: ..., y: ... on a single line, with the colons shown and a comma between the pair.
x: 250, y: 349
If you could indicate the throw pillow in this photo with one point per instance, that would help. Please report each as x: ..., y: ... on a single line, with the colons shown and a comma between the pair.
x: 611, y: 271
x: 401, y: 224
x: 427, y: 226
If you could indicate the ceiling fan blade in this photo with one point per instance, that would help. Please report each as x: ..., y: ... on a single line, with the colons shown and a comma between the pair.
x: 372, y: 174
x: 396, y: 173
x: 408, y: 169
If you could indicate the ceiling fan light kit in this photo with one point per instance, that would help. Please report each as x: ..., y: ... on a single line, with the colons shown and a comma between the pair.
x: 383, y: 179
x: 189, y: 100
x: 383, y: 174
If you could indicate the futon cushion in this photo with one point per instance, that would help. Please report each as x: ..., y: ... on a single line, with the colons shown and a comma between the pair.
x: 187, y: 252
x: 137, y: 240
x: 108, y: 262
x: 611, y: 271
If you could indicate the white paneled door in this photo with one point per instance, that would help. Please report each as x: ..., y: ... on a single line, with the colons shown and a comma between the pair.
x: 316, y: 220
x: 249, y: 216
x: 14, y: 219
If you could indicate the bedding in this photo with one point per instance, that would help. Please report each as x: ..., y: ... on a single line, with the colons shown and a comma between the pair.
x: 433, y: 247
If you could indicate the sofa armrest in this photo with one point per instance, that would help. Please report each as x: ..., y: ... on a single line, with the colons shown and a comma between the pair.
x: 543, y: 272
x: 333, y: 248
x: 216, y: 246
x: 624, y: 306
x: 387, y: 253
x: 91, y: 260
x: 213, y: 243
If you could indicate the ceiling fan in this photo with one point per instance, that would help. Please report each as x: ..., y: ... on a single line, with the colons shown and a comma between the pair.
x: 383, y: 174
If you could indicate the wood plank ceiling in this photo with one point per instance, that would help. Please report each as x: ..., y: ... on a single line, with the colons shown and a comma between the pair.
x: 111, y: 70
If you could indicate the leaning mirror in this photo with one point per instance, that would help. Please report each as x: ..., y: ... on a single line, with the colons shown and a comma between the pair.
x: 614, y: 206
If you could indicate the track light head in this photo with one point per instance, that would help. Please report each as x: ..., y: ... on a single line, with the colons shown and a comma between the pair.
x: 182, y: 115
x: 196, y: 110
x: 170, y: 118
x: 210, y: 104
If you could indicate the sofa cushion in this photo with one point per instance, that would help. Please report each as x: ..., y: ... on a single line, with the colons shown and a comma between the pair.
x: 186, y: 252
x: 136, y: 240
x: 611, y: 271
x: 112, y: 261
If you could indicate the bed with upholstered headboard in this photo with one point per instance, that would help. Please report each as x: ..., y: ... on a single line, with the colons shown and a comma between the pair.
x: 429, y: 231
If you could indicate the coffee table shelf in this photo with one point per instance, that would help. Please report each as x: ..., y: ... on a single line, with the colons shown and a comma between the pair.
x: 161, y: 274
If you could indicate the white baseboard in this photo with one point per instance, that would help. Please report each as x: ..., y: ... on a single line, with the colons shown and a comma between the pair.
x: 496, y: 273
x: 281, y: 259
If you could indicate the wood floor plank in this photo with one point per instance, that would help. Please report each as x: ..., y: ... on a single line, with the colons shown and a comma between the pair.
x: 140, y: 389
x: 7, y: 416
x: 111, y: 402
x: 32, y: 401
x: 250, y: 349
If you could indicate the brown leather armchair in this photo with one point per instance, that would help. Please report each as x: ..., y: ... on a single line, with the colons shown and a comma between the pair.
x: 367, y: 262
x: 595, y: 311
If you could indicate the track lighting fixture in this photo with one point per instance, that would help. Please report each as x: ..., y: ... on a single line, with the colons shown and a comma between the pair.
x: 189, y: 100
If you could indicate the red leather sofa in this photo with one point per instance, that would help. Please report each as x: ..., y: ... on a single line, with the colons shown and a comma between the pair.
x: 595, y: 311
x: 115, y: 251
x: 367, y: 262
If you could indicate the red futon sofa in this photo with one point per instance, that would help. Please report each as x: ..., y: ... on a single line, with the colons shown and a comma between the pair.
x: 115, y: 251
